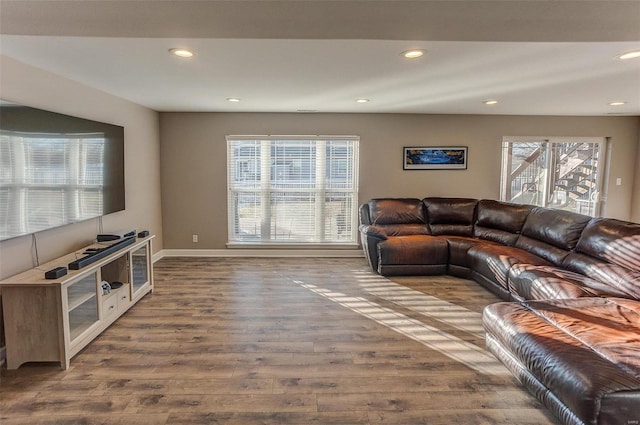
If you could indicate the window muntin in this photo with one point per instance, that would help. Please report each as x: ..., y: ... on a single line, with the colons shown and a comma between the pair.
x: 562, y: 173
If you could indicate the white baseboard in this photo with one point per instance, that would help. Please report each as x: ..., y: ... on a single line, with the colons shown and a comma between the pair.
x: 157, y: 256
x: 326, y: 253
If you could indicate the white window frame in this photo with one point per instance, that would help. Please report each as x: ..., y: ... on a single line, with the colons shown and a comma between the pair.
x: 548, y: 142
x: 265, y: 190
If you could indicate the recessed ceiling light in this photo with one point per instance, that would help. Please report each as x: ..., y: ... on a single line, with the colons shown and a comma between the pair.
x: 362, y: 100
x: 414, y: 53
x: 630, y: 55
x: 233, y: 99
x: 183, y: 53
x: 617, y: 103
x: 490, y: 102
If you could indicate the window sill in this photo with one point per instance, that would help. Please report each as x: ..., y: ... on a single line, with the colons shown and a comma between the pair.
x: 302, y: 246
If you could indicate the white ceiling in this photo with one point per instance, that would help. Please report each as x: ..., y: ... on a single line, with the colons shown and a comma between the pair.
x: 534, y: 57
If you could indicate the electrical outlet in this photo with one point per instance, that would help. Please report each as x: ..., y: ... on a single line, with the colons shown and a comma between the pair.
x: 195, y: 238
x: 619, y: 181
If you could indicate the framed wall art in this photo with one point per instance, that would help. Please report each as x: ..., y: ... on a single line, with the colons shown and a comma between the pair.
x: 435, y: 158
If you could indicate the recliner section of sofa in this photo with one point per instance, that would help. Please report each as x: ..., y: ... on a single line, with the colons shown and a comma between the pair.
x: 451, y: 220
x: 396, y: 239
x: 580, y: 357
x: 545, y: 239
x: 609, y: 252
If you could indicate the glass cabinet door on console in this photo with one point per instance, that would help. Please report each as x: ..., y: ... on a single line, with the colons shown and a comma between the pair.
x: 139, y: 269
x: 82, y: 301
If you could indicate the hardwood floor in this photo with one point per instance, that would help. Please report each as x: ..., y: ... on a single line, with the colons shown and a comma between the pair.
x: 282, y: 341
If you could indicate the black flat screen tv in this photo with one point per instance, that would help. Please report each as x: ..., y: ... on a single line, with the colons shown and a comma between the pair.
x: 56, y: 169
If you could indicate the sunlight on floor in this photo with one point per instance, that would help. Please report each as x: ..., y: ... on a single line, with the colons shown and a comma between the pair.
x: 464, y: 352
x: 426, y: 305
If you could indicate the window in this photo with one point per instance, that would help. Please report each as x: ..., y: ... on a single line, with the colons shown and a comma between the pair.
x: 561, y: 173
x: 300, y: 190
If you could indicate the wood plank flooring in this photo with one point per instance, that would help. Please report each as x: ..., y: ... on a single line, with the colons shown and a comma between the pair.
x: 282, y: 341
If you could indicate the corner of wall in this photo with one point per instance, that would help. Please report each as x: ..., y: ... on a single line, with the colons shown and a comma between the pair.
x: 635, y: 198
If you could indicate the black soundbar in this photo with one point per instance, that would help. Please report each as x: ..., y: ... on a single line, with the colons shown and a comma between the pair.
x: 92, y: 258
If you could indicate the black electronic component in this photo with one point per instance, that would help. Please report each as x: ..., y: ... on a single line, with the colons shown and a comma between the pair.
x: 116, y: 285
x: 56, y: 273
x: 115, y: 236
x: 97, y: 255
x: 143, y: 234
x: 44, y: 130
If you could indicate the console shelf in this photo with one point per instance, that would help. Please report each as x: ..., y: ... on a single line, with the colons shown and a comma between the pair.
x: 75, y: 302
x: 52, y: 320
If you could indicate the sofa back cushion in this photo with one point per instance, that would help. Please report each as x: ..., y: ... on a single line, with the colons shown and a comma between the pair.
x: 611, y: 240
x: 619, y: 278
x: 398, y: 216
x: 609, y: 251
x: 500, y: 221
x: 551, y: 234
x: 451, y: 216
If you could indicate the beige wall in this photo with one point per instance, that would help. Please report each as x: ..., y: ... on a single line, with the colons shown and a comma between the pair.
x: 635, y: 207
x: 34, y: 87
x: 193, y: 151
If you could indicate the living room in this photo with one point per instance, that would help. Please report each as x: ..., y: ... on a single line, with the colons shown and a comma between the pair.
x: 176, y: 160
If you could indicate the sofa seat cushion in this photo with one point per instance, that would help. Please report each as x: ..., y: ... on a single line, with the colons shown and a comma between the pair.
x: 494, y: 261
x: 583, y: 351
x: 460, y: 245
x: 458, y: 259
x: 415, y: 254
x: 528, y: 282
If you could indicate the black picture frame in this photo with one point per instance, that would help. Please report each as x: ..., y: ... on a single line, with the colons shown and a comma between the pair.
x: 435, y: 158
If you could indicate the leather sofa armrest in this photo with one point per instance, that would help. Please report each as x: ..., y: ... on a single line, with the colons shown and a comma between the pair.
x: 365, y: 216
x: 373, y: 231
x: 370, y: 236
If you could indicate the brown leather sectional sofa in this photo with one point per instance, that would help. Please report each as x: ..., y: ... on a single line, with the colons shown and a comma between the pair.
x: 571, y: 333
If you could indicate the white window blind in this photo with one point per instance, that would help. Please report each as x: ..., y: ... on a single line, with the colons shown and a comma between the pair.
x: 295, y: 190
